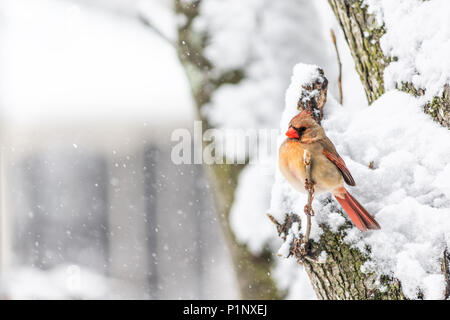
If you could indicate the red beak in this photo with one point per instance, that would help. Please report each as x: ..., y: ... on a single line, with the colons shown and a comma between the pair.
x: 292, y: 133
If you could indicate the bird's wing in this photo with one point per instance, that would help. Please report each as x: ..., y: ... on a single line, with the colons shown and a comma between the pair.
x: 330, y: 152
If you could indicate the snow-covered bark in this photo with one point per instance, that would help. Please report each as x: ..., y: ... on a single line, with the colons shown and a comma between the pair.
x: 395, y: 44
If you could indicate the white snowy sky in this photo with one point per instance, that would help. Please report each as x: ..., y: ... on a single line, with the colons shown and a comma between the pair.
x: 62, y: 60
x: 65, y: 63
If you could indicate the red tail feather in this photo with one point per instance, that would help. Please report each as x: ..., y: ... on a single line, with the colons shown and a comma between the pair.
x: 359, y: 216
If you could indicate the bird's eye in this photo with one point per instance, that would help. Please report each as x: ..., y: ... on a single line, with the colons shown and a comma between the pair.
x: 301, y: 130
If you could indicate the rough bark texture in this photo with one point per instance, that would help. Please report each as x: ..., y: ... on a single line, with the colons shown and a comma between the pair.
x: 253, y: 272
x: 363, y: 37
x: 340, y: 277
x: 438, y: 108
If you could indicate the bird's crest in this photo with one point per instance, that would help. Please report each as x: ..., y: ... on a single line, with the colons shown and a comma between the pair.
x: 303, y: 115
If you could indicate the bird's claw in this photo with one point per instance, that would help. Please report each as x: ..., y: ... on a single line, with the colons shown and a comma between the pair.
x: 302, y: 251
x: 309, y: 186
x: 309, y: 210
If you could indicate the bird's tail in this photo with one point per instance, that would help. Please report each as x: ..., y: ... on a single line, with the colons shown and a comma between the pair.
x: 359, y: 216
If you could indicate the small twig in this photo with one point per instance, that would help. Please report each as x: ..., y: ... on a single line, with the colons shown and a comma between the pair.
x: 276, y: 223
x: 333, y: 39
x: 308, y: 228
x: 283, y: 229
x: 309, y: 186
x: 146, y: 22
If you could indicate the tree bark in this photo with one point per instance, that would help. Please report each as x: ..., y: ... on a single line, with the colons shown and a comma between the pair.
x: 252, y: 271
x: 363, y: 37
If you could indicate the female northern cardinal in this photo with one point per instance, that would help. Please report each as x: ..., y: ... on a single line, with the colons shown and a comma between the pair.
x: 328, y: 169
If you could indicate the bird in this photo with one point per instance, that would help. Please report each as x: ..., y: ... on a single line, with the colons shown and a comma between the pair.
x: 328, y: 169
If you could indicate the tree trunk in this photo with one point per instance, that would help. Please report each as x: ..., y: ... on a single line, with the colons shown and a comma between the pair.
x: 363, y: 37
x: 340, y: 277
x: 253, y: 272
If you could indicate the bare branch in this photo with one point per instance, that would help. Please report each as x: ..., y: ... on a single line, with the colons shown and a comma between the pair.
x: 146, y: 22
x: 333, y: 39
x: 309, y: 186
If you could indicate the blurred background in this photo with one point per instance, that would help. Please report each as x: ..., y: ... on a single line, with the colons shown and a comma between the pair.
x: 91, y: 205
